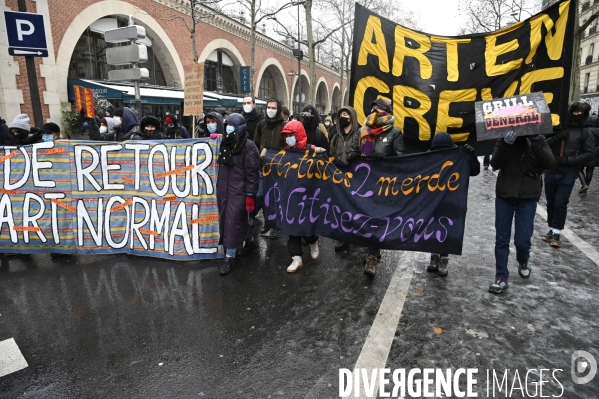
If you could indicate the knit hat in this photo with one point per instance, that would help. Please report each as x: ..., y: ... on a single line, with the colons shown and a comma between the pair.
x: 442, y: 140
x: 103, y: 121
x: 383, y: 104
x: 169, y: 120
x: 119, y: 112
x: 21, y: 121
x: 51, y: 127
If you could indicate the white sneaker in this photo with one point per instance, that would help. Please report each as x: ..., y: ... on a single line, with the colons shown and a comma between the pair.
x: 314, y: 250
x: 295, y: 265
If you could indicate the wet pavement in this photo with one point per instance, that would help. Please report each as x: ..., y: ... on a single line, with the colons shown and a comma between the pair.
x: 125, y: 327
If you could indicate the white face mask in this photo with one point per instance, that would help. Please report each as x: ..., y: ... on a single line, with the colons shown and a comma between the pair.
x: 247, y: 108
x: 117, y: 121
x: 103, y: 129
x: 271, y: 113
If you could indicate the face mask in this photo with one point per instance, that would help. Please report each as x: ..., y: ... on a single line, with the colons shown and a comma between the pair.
x: 172, y: 125
x: 576, y: 118
x: 103, y: 129
x: 271, y: 113
x: 327, y: 124
x: 48, y: 137
x: 211, y: 127
x: 230, y: 129
x: 306, y: 118
x: 117, y: 122
x: 291, y: 141
x: 168, y: 113
x: 344, y: 122
x: 247, y: 108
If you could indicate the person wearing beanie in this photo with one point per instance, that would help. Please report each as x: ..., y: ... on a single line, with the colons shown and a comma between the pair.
x: 22, y: 133
x: 150, y: 128
x: 21, y: 122
x: 573, y: 147
x: 378, y: 138
x: 443, y: 141
x: 173, y: 129
x: 6, y: 137
x: 315, y: 131
x: 52, y: 129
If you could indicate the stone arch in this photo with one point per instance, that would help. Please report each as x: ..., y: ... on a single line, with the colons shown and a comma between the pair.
x: 336, y: 98
x: 346, y: 97
x: 322, y: 92
x: 228, y: 48
x: 172, y: 68
x: 305, y: 90
x: 273, y: 65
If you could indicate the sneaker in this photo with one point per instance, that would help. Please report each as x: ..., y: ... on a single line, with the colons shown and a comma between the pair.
x: 273, y: 234
x: 314, y: 251
x: 295, y: 265
x: 499, y: 286
x: 583, y: 190
x: 555, y: 242
x: 524, y: 269
x: 227, y: 266
x: 443, y: 266
x: 247, y: 248
x: 370, y: 266
x: 549, y: 236
x: 341, y: 246
x: 265, y: 231
x: 433, y: 267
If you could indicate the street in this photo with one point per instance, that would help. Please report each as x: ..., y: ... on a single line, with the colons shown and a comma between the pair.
x: 119, y: 326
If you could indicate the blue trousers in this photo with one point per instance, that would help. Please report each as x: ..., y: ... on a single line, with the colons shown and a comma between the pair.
x: 522, y: 212
x: 558, y: 187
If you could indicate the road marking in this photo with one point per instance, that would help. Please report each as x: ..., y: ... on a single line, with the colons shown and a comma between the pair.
x: 11, y: 358
x: 578, y: 242
x: 376, y: 349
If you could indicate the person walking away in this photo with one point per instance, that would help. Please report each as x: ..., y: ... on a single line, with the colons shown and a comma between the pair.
x: 295, y: 136
x: 585, y: 174
x: 341, y: 143
x: 379, y: 139
x: 236, y: 189
x: 174, y: 130
x: 439, y: 262
x: 251, y: 115
x: 573, y: 147
x: 268, y: 134
x: 521, y: 162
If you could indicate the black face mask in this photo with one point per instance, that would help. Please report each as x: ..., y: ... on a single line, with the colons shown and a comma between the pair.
x: 576, y: 118
x: 306, y: 119
x: 343, y: 122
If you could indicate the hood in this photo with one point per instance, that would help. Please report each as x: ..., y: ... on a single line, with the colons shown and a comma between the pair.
x: 314, y: 121
x: 129, y: 120
x: 297, y: 128
x: 174, y: 119
x: 328, y: 119
x: 441, y: 141
x: 238, y: 121
x: 219, y: 122
x: 279, y: 109
x: 354, y: 117
x: 149, y: 120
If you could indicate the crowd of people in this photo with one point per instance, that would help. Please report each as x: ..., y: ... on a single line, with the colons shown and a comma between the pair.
x: 523, y: 163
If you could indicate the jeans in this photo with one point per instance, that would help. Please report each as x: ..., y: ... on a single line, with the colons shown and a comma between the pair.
x: 585, y: 175
x: 524, y: 210
x: 231, y: 252
x: 558, y: 187
x: 295, y: 244
x: 486, y: 161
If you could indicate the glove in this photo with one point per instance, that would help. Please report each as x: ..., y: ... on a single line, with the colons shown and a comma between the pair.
x: 263, y: 153
x: 510, y: 138
x: 214, y: 135
x: 378, y: 156
x: 562, y: 160
x: 352, y: 156
x: 319, y: 150
x: 469, y: 149
x: 250, y: 204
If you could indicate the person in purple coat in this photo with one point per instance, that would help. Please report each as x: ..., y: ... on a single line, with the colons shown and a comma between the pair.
x: 236, y: 190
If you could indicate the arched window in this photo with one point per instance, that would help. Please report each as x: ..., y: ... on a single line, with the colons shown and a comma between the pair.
x: 219, y: 73
x: 267, y: 87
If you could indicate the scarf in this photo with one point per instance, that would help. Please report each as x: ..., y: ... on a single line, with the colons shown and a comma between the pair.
x: 231, y: 145
x: 375, y: 124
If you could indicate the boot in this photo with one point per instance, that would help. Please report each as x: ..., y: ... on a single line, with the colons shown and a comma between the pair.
x: 314, y: 251
x: 549, y: 236
x: 295, y: 265
x: 433, y: 267
x: 370, y: 266
x: 247, y: 248
x: 227, y: 266
x: 442, y: 272
x: 341, y: 246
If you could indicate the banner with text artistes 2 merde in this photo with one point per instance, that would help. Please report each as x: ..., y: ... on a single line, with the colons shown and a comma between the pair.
x: 414, y: 203
x: 434, y: 81
x: 148, y: 198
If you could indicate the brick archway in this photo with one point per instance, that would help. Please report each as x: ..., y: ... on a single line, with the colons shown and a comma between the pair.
x: 280, y: 79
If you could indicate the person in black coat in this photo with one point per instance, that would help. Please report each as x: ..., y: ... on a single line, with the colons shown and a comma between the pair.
x: 251, y: 115
x: 585, y: 174
x: 174, y: 130
x: 572, y: 148
x: 521, y: 161
x: 310, y: 119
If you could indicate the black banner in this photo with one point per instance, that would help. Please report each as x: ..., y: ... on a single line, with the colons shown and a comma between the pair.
x: 434, y: 81
x: 414, y: 203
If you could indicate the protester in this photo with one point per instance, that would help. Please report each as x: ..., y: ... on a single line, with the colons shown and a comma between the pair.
x: 268, y: 134
x: 311, y: 121
x: 125, y: 123
x: 222, y: 111
x: 286, y: 114
x: 585, y: 174
x: 107, y: 128
x: 379, y: 139
x: 573, y: 147
x: 442, y: 141
x: 22, y: 133
x: 328, y: 124
x: 5, y: 136
x: 214, y: 123
x: 251, y: 115
x: 174, y: 130
x: 341, y: 145
x: 150, y: 128
x: 51, y: 132
x: 296, y: 138
x: 521, y: 162
x: 236, y: 189
x: 200, y: 130
x: 486, y: 161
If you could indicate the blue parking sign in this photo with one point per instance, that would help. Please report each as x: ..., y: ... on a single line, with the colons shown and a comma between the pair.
x: 25, y: 31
